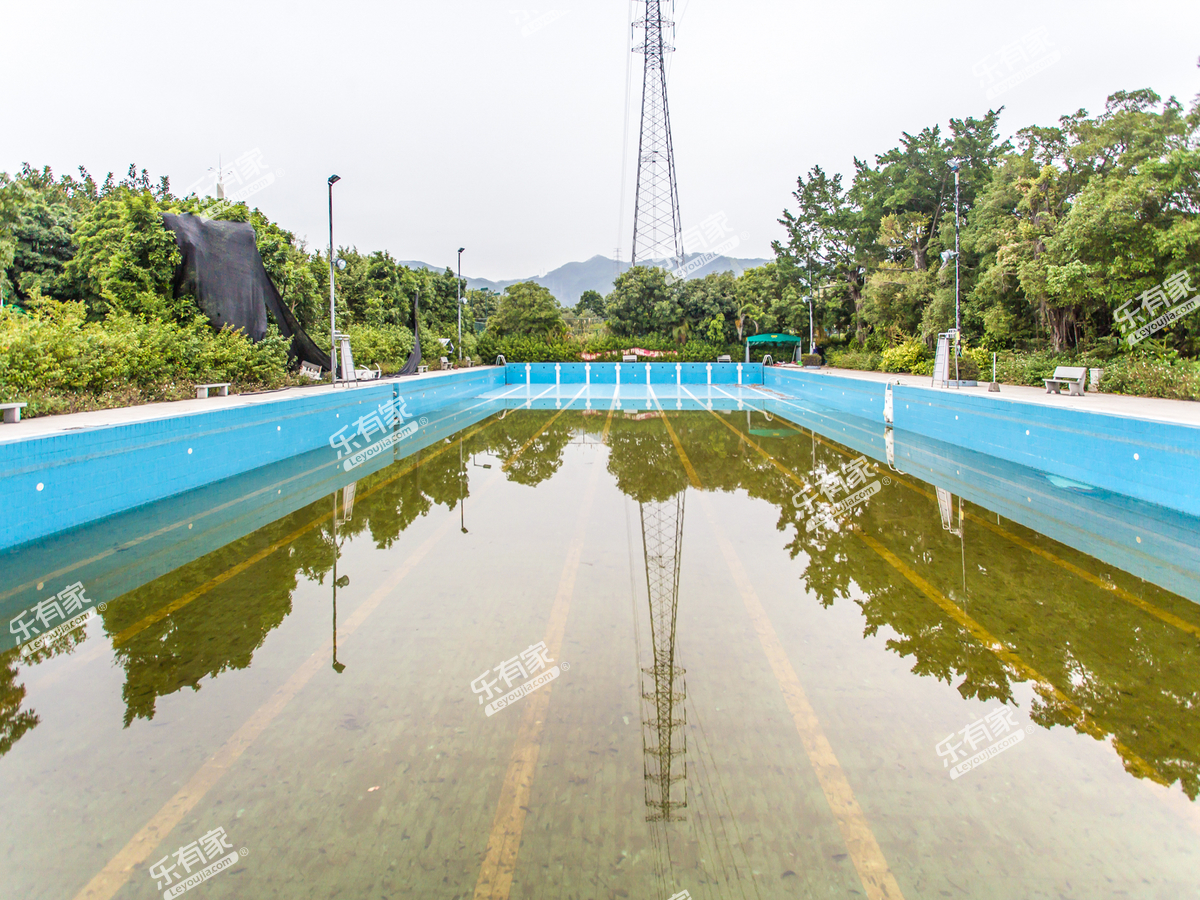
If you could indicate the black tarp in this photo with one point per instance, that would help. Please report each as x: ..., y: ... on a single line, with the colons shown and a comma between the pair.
x: 223, y: 270
x: 414, y: 358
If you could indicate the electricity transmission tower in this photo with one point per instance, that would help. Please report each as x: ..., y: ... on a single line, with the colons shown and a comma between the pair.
x: 657, y: 232
x: 664, y: 743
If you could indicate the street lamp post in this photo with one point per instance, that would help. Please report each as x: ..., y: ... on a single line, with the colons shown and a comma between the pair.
x: 954, y: 166
x: 458, y: 287
x: 333, y: 179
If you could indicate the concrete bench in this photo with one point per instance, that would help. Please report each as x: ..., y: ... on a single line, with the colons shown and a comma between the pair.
x: 629, y: 357
x: 12, y: 411
x: 310, y: 370
x: 721, y: 359
x: 421, y: 370
x: 221, y: 387
x: 1072, y: 376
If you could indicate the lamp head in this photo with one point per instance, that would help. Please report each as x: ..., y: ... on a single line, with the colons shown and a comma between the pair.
x: 334, y: 179
x: 461, y: 249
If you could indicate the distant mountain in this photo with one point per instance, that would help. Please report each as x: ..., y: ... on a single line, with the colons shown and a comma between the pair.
x: 568, y: 282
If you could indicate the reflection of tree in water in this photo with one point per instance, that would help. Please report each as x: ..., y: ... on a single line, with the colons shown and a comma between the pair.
x: 644, y: 461
x: 1134, y: 676
x: 543, y: 457
x: 222, y: 628
x: 14, y: 721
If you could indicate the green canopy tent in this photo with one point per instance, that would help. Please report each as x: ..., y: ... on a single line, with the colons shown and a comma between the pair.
x: 769, y: 339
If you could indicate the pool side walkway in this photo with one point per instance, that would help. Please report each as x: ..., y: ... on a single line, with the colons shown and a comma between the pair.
x: 149, y: 412
x: 1179, y: 412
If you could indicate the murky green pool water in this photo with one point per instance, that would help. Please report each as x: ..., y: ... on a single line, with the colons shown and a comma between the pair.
x: 912, y: 699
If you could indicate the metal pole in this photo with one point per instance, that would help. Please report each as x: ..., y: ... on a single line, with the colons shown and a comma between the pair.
x: 458, y: 290
x: 811, y: 350
x: 956, y: 267
x: 333, y: 179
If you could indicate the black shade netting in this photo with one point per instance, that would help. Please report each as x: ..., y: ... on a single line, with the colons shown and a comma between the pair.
x: 223, y: 270
x: 414, y: 358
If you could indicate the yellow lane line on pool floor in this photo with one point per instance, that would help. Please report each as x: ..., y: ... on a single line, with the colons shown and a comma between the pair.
x: 1122, y: 593
x: 197, y: 592
x: 538, y: 433
x: 864, y: 850
x: 140, y: 847
x: 1133, y: 761
x: 504, y: 841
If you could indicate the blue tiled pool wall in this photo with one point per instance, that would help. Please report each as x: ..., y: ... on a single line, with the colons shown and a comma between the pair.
x: 177, y: 530
x: 92, y: 473
x: 634, y: 373
x: 1154, y: 461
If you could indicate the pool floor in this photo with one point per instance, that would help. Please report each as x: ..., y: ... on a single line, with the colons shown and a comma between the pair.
x: 612, y: 653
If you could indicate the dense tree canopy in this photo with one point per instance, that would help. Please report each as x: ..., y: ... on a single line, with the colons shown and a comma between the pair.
x: 526, y: 309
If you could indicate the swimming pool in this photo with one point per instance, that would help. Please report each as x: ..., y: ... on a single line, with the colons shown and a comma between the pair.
x: 545, y: 650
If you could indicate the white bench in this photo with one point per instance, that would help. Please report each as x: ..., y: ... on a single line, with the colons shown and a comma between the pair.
x: 629, y: 357
x: 722, y: 359
x: 12, y: 411
x: 1072, y: 376
x: 310, y: 370
x: 221, y: 387
x: 421, y: 370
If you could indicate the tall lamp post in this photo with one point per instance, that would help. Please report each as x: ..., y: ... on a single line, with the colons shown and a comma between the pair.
x: 458, y: 286
x: 333, y: 179
x: 954, y: 165
x: 954, y: 169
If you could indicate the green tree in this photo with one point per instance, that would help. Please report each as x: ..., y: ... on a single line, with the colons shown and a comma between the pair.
x: 643, y: 303
x: 590, y: 303
x: 526, y: 309
x: 126, y: 258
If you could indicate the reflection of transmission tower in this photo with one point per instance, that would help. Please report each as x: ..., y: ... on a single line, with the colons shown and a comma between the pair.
x: 656, y: 223
x: 663, y: 741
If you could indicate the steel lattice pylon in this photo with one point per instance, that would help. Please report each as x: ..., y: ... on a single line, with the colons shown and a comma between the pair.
x: 664, y: 743
x: 657, y: 230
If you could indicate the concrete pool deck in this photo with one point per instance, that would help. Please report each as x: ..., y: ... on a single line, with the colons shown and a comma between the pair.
x: 149, y: 412
x: 1156, y: 409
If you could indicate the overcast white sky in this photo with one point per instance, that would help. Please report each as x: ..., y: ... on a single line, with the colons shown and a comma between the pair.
x: 497, y: 126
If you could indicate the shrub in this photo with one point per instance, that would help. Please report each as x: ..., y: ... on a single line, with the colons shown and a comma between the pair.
x: 57, y: 361
x: 905, y: 357
x: 386, y: 346
x: 854, y: 359
x: 811, y: 359
x: 1148, y: 377
x: 967, y: 369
